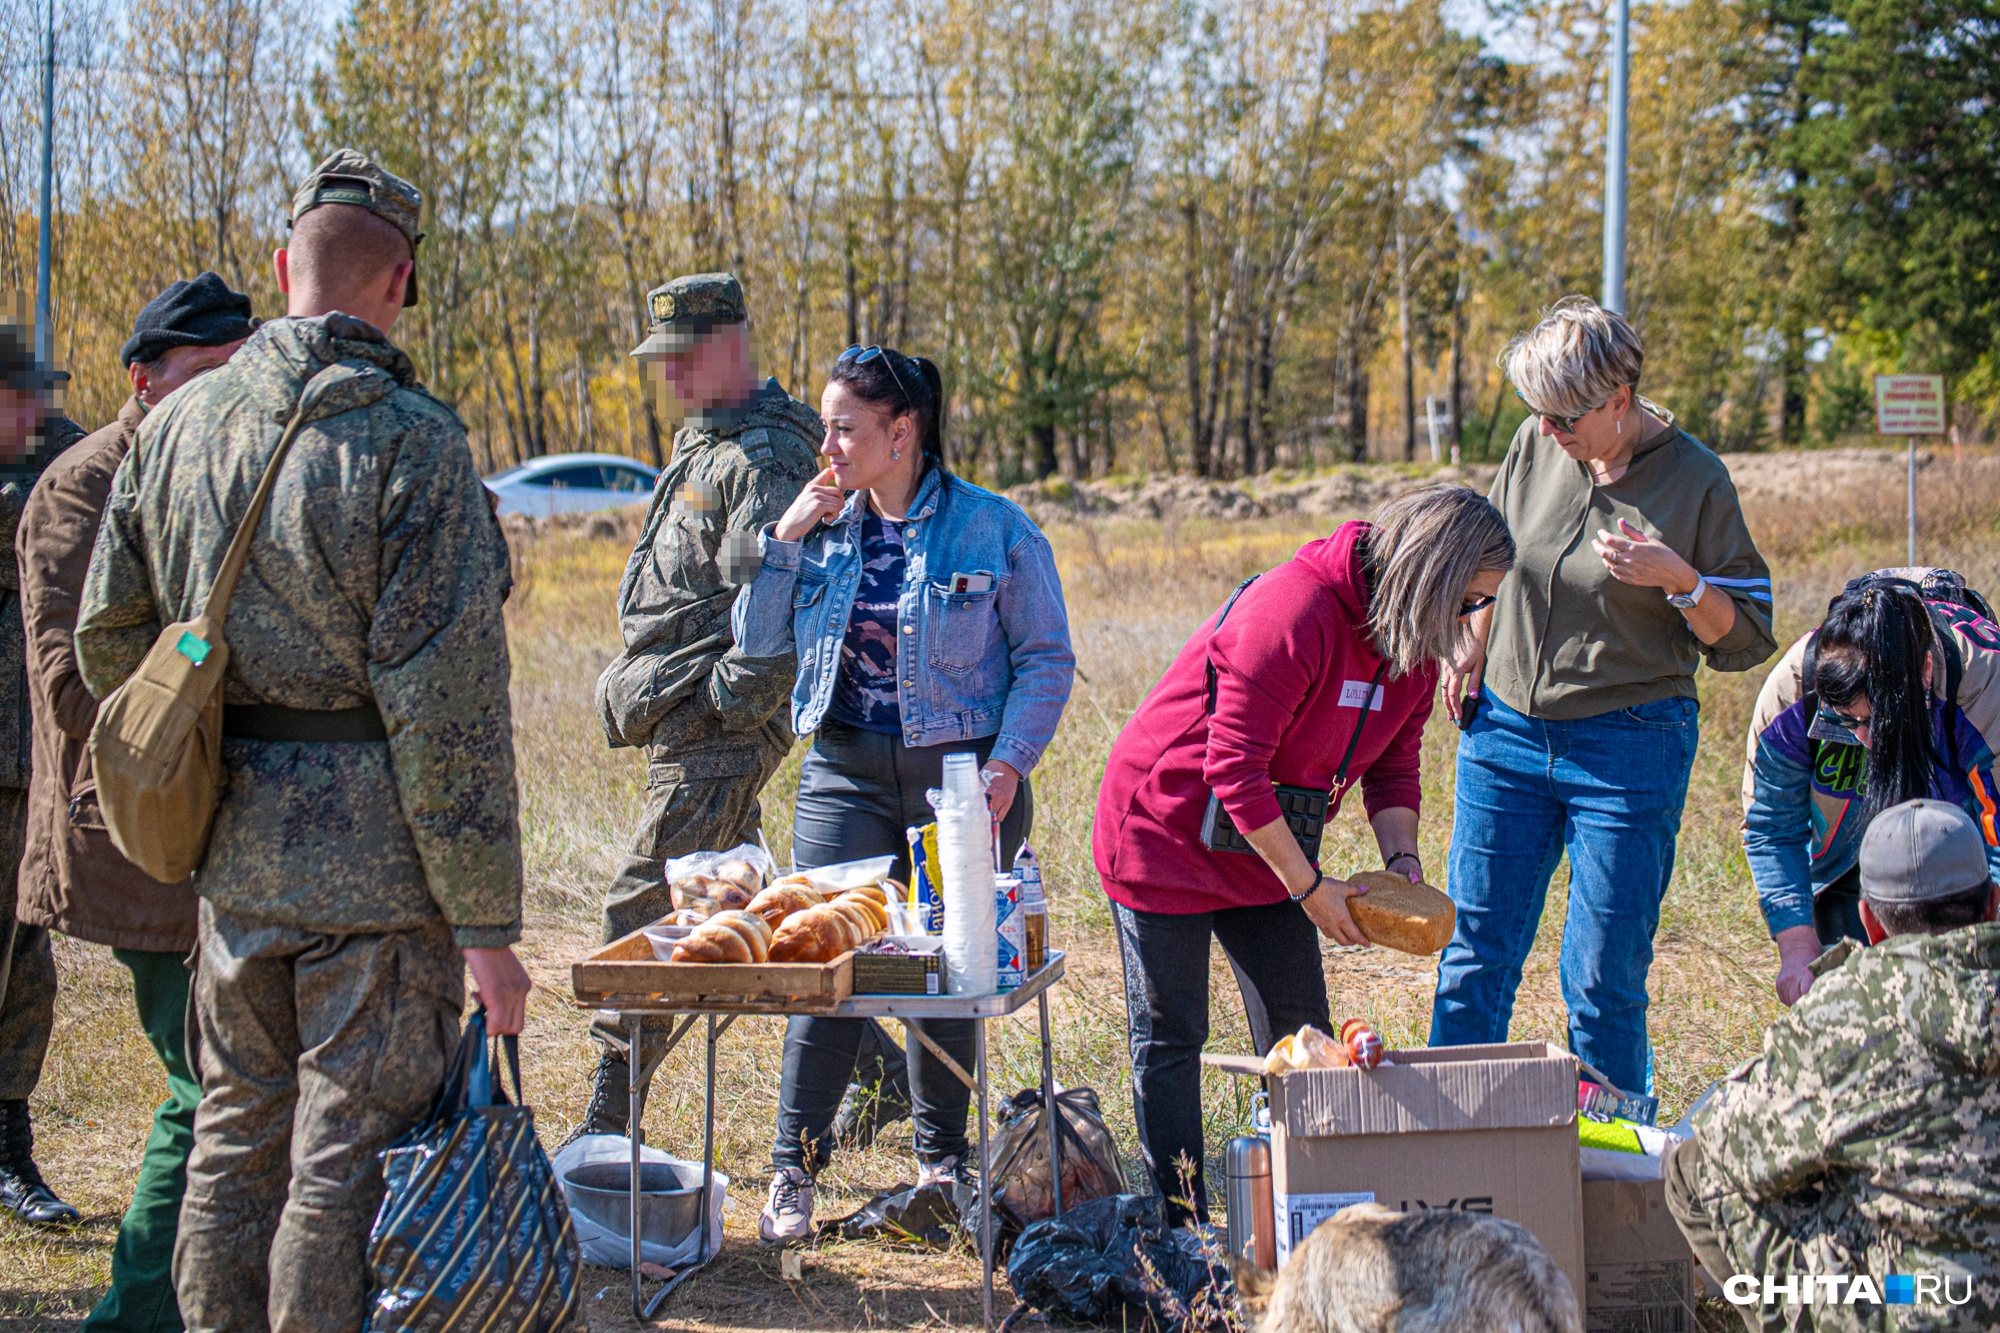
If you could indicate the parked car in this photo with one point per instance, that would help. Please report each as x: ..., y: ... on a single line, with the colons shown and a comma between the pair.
x: 572, y: 484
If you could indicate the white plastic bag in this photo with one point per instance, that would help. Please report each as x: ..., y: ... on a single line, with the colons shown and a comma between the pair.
x: 613, y: 1249
x: 845, y: 875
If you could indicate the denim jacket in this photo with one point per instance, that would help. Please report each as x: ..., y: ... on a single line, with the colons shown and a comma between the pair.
x: 973, y: 664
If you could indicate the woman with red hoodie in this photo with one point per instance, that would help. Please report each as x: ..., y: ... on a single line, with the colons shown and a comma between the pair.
x: 1314, y: 676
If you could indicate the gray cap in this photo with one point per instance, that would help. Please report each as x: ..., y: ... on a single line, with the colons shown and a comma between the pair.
x: 347, y: 177
x: 683, y: 310
x: 1920, y: 851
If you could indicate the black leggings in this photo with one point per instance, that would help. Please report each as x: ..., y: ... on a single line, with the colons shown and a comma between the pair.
x: 1274, y: 952
x: 858, y: 793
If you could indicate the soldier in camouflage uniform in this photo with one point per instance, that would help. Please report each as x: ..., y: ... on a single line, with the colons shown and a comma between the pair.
x: 32, y: 432
x: 367, y: 850
x: 714, y: 723
x: 1863, y: 1140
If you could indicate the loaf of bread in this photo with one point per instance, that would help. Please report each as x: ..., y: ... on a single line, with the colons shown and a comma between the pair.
x: 781, y: 900
x: 816, y: 935
x: 1308, y: 1048
x: 727, y: 937
x: 1414, y: 918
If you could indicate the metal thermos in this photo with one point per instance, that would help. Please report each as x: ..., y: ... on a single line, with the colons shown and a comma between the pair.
x: 1253, y: 1231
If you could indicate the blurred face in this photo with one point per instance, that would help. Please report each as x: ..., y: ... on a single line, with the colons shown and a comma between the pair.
x: 1595, y: 435
x: 1480, y: 592
x: 151, y: 384
x: 866, y: 446
x: 712, y: 373
x: 20, y: 414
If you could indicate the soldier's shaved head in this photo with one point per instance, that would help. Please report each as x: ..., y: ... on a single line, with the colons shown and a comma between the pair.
x: 344, y: 257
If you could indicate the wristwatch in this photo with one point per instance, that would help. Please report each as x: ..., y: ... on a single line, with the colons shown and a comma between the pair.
x: 1682, y: 601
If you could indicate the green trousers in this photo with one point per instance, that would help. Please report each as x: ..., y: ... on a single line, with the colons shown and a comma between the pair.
x: 141, y: 1299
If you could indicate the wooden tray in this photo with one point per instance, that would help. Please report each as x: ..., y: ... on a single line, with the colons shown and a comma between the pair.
x: 626, y: 971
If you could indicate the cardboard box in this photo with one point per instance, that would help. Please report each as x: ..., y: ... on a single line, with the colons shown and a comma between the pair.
x: 1485, y: 1129
x: 1639, y: 1271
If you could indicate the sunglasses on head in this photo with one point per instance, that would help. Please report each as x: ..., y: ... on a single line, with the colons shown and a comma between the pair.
x: 1475, y: 606
x: 861, y: 356
x: 1567, y: 425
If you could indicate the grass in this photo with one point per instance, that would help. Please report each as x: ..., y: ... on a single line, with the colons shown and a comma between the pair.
x: 1135, y: 590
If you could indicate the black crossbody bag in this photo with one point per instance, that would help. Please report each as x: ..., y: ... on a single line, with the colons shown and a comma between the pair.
x: 1304, y: 808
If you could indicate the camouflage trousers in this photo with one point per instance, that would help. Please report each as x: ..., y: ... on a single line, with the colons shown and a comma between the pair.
x: 27, y: 966
x: 1809, y: 1234
x: 316, y: 1052
x: 695, y: 802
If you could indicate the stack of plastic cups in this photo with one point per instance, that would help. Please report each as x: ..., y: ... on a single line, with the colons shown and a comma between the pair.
x: 965, y: 854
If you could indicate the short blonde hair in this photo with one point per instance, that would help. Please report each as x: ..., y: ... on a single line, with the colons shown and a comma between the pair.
x: 1575, y: 358
x: 1422, y: 550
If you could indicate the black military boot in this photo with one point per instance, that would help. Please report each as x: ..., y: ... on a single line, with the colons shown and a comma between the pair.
x: 23, y: 1192
x: 610, y: 1099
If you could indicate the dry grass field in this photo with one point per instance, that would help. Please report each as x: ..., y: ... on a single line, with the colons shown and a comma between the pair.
x: 1136, y: 587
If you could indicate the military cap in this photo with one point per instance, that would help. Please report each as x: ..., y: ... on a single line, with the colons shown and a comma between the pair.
x: 683, y: 311
x: 198, y: 313
x: 349, y: 178
x: 1921, y: 851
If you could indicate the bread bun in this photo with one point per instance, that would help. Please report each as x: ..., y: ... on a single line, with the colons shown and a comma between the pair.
x: 714, y: 942
x: 782, y: 900
x: 860, y: 913
x: 756, y: 932
x: 817, y: 935
x: 875, y: 892
x: 1414, y: 918
x: 742, y: 874
x: 877, y: 914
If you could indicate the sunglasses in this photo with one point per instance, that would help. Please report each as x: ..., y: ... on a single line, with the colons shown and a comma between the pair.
x: 1567, y: 425
x: 861, y: 356
x: 1848, y: 720
x: 1475, y: 606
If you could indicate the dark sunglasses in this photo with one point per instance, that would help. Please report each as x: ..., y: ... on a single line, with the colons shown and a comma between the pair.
x: 861, y: 356
x: 1567, y: 425
x: 1848, y: 720
x: 1475, y: 606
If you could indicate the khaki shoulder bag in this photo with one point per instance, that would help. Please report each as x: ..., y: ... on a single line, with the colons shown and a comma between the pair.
x: 156, y: 748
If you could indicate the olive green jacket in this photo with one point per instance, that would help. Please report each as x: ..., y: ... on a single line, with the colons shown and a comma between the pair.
x: 377, y: 576
x: 681, y: 684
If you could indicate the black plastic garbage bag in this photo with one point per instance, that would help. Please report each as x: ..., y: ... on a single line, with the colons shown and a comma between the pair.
x: 1115, y: 1261
x: 930, y: 1217
x: 1090, y: 1166
x: 473, y: 1233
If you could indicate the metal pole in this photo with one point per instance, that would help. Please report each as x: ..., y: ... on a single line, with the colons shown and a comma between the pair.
x: 1614, y: 160
x: 1913, y: 502
x: 1050, y: 1110
x: 985, y: 1185
x: 44, y: 335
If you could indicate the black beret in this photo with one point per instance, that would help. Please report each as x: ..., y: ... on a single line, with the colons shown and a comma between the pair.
x: 201, y: 313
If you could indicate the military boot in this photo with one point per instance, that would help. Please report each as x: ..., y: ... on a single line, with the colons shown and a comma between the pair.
x: 610, y: 1099
x: 23, y: 1192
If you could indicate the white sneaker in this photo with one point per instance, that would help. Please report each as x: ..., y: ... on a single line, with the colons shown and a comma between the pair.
x: 951, y: 1171
x: 788, y: 1213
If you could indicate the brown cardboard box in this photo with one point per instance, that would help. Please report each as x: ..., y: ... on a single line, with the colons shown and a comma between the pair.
x: 1487, y: 1129
x: 1639, y: 1271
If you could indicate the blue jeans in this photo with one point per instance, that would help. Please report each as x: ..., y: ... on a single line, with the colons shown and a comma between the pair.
x: 1609, y: 790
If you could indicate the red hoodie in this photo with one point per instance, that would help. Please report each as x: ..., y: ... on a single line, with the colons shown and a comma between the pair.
x: 1292, y: 662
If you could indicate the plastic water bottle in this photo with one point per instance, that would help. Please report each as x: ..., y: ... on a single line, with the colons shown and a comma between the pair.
x: 1034, y: 908
x: 965, y: 864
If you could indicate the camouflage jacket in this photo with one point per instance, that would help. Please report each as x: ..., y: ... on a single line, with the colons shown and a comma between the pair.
x: 377, y: 576
x: 1864, y: 1139
x: 681, y: 684
x: 59, y: 433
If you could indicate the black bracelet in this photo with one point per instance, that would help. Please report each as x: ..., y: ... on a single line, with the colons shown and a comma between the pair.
x: 1319, y: 878
x: 1399, y: 856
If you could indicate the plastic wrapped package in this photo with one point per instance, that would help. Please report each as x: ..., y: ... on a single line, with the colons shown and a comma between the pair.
x: 610, y: 1246
x: 1114, y: 1261
x: 704, y: 883
x: 1090, y: 1164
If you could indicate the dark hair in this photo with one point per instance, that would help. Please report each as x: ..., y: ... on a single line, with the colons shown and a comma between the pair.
x: 1934, y: 917
x: 1873, y: 644
x: 901, y: 384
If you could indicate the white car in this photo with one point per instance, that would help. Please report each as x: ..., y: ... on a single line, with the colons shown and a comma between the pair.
x: 572, y: 484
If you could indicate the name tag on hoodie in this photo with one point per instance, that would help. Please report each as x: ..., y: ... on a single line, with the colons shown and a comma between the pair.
x: 1354, y: 693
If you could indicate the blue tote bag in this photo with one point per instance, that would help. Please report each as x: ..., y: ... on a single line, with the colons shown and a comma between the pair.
x: 473, y: 1233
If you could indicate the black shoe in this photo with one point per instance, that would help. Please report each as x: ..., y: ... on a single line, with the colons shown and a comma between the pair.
x: 610, y: 1100
x: 869, y: 1108
x: 23, y: 1192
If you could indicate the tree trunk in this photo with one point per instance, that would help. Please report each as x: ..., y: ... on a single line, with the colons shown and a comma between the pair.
x: 1043, y: 463
x: 1458, y: 332
x: 1403, y: 335
x: 1197, y: 437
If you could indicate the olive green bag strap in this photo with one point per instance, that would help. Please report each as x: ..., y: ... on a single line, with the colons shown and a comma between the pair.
x: 223, y: 590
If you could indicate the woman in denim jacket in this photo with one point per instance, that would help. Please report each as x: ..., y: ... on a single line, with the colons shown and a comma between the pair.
x: 928, y: 620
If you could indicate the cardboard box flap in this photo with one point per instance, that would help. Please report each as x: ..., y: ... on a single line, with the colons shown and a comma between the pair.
x: 1521, y: 1085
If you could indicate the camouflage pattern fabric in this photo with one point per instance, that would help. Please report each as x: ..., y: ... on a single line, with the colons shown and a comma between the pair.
x: 377, y: 576
x: 1863, y: 1139
x: 680, y: 684
x: 316, y: 1053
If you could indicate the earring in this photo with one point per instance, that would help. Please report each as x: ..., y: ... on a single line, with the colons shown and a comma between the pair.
x: 1621, y: 425
x: 895, y: 455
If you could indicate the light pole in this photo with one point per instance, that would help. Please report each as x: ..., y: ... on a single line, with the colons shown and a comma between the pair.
x: 44, y: 335
x: 1614, y: 160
